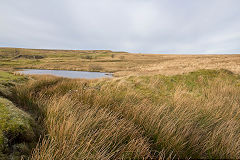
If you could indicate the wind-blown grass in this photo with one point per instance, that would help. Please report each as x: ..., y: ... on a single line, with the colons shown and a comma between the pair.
x: 196, y: 115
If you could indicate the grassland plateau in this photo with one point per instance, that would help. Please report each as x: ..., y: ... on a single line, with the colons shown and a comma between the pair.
x: 156, y: 106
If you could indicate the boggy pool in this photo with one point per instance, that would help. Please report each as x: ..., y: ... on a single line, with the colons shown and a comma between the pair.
x: 67, y: 74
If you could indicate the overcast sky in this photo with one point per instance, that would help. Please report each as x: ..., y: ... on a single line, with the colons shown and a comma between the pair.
x: 140, y: 26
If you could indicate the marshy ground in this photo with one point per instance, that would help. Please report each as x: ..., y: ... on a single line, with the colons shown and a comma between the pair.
x: 158, y: 106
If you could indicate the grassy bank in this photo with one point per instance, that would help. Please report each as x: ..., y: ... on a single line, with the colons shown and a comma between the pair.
x: 19, y: 132
x: 194, y: 115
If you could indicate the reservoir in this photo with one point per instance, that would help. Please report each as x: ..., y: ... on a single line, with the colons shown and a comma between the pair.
x: 67, y: 74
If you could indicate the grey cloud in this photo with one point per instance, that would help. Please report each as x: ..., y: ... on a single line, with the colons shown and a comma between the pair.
x: 152, y: 26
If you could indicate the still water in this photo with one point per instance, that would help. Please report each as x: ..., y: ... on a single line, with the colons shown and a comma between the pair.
x: 67, y: 74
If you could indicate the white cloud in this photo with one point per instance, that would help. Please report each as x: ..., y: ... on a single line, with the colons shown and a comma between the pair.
x: 152, y: 26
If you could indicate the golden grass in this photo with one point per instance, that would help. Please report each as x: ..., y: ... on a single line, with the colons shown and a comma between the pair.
x: 195, y: 115
x: 139, y: 116
x: 77, y: 131
x: 80, y: 131
x: 104, y: 61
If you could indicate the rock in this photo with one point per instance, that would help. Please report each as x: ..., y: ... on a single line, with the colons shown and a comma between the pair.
x: 17, y: 131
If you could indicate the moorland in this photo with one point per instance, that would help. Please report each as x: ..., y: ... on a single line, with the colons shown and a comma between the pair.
x: 156, y: 106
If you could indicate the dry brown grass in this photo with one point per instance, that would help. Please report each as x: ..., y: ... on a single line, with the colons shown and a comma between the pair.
x: 131, y: 64
x: 185, y: 116
x: 141, y: 115
x: 79, y: 131
x: 179, y: 64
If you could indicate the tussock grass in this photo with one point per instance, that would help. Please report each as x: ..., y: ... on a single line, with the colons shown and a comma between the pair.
x: 77, y: 131
x: 195, y: 115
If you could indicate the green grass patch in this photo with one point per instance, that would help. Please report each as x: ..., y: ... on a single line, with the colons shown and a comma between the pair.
x: 8, y: 76
x: 17, y: 135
